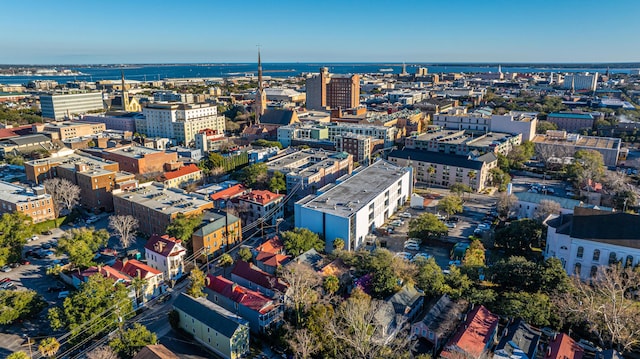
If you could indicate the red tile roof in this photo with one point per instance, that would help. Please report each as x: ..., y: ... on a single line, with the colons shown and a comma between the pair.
x: 563, y: 347
x: 262, y: 197
x: 255, y: 275
x: 163, y: 245
x: 105, y: 271
x: 183, y: 171
x: 273, y: 260
x: 231, y: 192
x: 472, y: 336
x: 130, y: 267
x: 273, y: 245
x: 15, y: 132
x: 239, y: 294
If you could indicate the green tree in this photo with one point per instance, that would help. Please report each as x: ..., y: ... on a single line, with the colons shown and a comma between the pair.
x: 226, y: 260
x: 300, y: 240
x: 338, y: 244
x: 18, y: 355
x: 245, y: 254
x: 254, y: 176
x: 182, y: 227
x: 139, y: 284
x: 98, y: 300
x: 81, y: 244
x: 588, y: 165
x: 427, y: 226
x: 450, y: 205
x: 475, y: 255
x: 499, y: 178
x: 277, y: 183
x: 48, y: 347
x: 174, y: 319
x: 534, y: 308
x: 516, y: 273
x: 520, y: 235
x: 331, y: 284
x: 265, y: 143
x: 460, y: 188
x: 553, y: 277
x: 19, y: 304
x: 520, y: 154
x: 129, y: 343
x: 456, y: 284
x: 15, y: 228
x: 543, y: 126
x: 430, y: 277
x: 384, y: 281
x: 196, y: 283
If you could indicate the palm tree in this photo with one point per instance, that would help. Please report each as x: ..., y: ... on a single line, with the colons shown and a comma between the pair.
x: 49, y: 347
x: 139, y: 285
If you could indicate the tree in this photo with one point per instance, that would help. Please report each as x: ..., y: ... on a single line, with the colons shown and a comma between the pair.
x: 129, y: 343
x: 588, y: 166
x: 277, y: 183
x: 499, y: 178
x: 124, y: 227
x: 81, y: 244
x: 196, y: 283
x: 254, y: 176
x: 139, y: 284
x: 182, y: 227
x: 450, y: 205
x: 245, y: 254
x: 19, y: 304
x: 18, y: 355
x: 266, y: 143
x: 302, y: 342
x: 15, y: 228
x: 64, y: 194
x: 606, y: 305
x: 545, y: 208
x: 48, y: 347
x: 300, y: 240
x: 102, y: 352
x: 534, y: 308
x: 475, y: 255
x: 520, y: 154
x: 338, y: 244
x: 302, y: 290
x: 226, y: 260
x: 174, y: 319
x: 331, y: 284
x: 427, y: 226
x: 460, y: 188
x: 506, y: 205
x: 430, y: 277
x: 520, y: 235
x: 384, y: 281
x: 99, y: 300
x: 543, y: 126
x: 456, y: 284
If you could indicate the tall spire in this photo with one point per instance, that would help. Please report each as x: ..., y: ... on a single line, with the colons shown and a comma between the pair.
x: 259, y: 70
x: 125, y: 95
x: 261, y: 96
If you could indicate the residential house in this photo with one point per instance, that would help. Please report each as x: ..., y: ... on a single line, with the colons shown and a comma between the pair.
x: 154, y: 279
x: 250, y: 276
x: 475, y: 336
x: 260, y: 204
x: 185, y: 175
x: 221, y: 198
x: 166, y: 254
x: 440, y: 321
x: 218, y: 231
x: 155, y: 351
x: 311, y: 259
x: 261, y: 312
x: 216, y: 328
x: 400, y: 309
x: 563, y: 346
x: 591, y: 238
x: 270, y: 255
x: 519, y: 341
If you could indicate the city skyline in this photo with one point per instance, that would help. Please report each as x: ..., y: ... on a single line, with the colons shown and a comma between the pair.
x: 73, y: 32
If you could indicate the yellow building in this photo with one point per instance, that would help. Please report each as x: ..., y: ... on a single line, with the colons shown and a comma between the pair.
x: 219, y: 231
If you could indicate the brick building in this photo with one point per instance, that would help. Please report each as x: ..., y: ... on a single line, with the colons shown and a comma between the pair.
x: 34, y: 202
x: 140, y: 160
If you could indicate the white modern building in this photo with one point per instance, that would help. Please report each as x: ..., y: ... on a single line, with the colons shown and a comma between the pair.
x: 388, y: 134
x: 581, y: 81
x: 179, y: 122
x: 524, y: 123
x: 356, y: 205
x: 60, y: 106
x: 591, y: 238
x: 165, y: 254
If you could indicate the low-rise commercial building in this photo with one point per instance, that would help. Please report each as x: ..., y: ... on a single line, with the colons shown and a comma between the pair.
x: 68, y: 129
x: 155, y: 206
x: 356, y: 205
x: 33, y: 202
x: 140, y: 160
x: 441, y: 169
x: 561, y: 144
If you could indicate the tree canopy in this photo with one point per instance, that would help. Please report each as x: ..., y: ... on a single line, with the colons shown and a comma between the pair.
x: 81, y: 244
x: 300, y: 240
x: 520, y: 235
x: 15, y: 228
x: 427, y: 226
x: 587, y: 166
x: 182, y: 227
x: 196, y: 283
x: 278, y: 182
x: 450, y: 204
x: 19, y: 304
x: 265, y: 143
x: 129, y: 343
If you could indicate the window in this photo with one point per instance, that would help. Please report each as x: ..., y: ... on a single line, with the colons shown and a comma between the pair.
x: 596, y: 255
x: 580, y: 252
x: 612, y: 258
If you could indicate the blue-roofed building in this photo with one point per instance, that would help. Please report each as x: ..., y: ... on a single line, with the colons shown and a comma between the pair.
x: 216, y: 328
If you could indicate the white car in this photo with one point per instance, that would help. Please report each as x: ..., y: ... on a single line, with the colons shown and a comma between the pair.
x: 440, y: 217
x: 404, y: 255
x: 450, y: 225
x: 421, y: 255
x: 412, y: 240
x: 405, y: 215
x: 412, y: 247
x: 35, y: 238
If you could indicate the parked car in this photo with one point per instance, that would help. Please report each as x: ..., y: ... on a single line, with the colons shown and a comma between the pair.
x: 48, y: 232
x: 412, y: 240
x: 450, y: 224
x: 588, y: 346
x: 548, y: 332
x: 454, y: 219
x: 164, y: 298
x: 412, y: 247
x: 405, y: 215
x: 35, y: 238
x: 24, y: 262
x: 5, y: 280
x: 5, y: 269
x: 14, y: 265
x: 92, y: 219
x: 421, y: 255
x: 390, y: 230
x: 46, y: 246
x: 63, y: 294
x: 8, y: 286
x: 404, y: 255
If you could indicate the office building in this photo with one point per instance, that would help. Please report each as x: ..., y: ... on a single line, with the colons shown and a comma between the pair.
x: 560, y: 144
x: 355, y: 206
x: 68, y: 129
x: 572, y: 121
x: 33, y: 202
x: 60, y: 106
x: 140, y: 160
x: 447, y: 168
x: 179, y: 122
x: 155, y: 206
x: 580, y: 82
x: 327, y: 91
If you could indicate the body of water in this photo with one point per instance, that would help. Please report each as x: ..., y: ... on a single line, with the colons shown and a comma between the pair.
x: 159, y: 72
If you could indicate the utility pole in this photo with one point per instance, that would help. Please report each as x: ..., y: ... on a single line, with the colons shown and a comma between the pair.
x: 207, y: 255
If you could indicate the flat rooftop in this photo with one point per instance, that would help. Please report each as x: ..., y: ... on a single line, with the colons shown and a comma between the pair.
x: 167, y: 201
x: 135, y: 151
x: 16, y: 194
x: 72, y: 160
x: 348, y: 197
x: 581, y: 141
x: 489, y: 139
x: 301, y: 160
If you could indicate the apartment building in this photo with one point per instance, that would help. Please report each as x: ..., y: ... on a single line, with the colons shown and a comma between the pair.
x: 578, y: 82
x: 33, y: 202
x: 218, y: 231
x: 182, y: 176
x: 461, y: 142
x: 522, y: 123
x: 257, y: 204
x: 179, y: 122
x: 155, y: 206
x: 358, y: 146
x: 59, y: 106
x: 327, y: 91
x: 387, y: 134
x: 209, y: 140
x: 125, y: 121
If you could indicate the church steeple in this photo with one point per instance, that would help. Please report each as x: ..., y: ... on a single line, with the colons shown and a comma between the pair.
x: 261, y: 96
x: 125, y: 94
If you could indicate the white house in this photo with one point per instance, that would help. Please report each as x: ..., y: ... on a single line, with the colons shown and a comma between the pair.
x: 165, y: 254
x: 355, y: 206
x: 590, y: 238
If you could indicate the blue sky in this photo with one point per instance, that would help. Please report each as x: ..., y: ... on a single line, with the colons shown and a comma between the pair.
x: 87, y: 31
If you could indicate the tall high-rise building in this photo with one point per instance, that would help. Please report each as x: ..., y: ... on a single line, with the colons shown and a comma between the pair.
x: 59, y: 106
x: 327, y: 91
x: 178, y: 121
x: 261, y: 96
x: 577, y: 82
